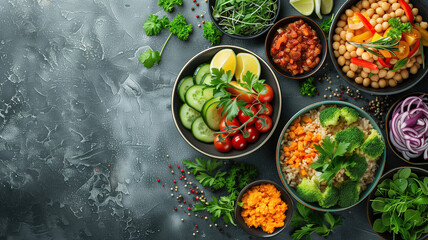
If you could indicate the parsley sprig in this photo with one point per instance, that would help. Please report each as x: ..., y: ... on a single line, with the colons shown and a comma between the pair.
x: 168, y: 5
x: 203, y: 169
x: 308, y: 87
x: 212, y: 33
x: 326, y: 24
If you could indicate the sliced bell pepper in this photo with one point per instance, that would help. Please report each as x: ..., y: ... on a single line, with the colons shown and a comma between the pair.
x: 364, y: 63
x: 360, y: 38
x: 415, y: 48
x: 385, y: 63
x: 365, y: 22
x: 411, y: 36
x: 408, y: 11
x: 424, y: 34
x: 385, y: 53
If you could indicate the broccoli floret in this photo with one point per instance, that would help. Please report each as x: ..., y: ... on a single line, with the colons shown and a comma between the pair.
x: 309, y: 189
x: 356, y: 171
x: 349, y: 193
x: 329, y: 116
x: 373, y: 146
x: 329, y: 197
x: 351, y: 135
x: 350, y: 115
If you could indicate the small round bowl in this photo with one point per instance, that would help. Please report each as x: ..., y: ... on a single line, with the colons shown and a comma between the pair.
x: 208, y: 148
x: 211, y: 4
x: 283, y: 22
x: 258, y: 232
x: 416, y: 161
x: 401, y: 87
x: 293, y: 191
x: 371, y: 218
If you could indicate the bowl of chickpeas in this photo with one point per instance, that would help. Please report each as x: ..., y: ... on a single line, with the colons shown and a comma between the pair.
x: 361, y: 26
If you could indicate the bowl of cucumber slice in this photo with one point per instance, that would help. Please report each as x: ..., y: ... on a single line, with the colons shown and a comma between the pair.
x: 200, y: 112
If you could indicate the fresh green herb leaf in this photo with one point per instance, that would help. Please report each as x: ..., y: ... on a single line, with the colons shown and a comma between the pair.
x: 400, y: 63
x: 202, y: 165
x: 168, y: 5
x: 149, y: 58
x: 212, y: 33
x: 398, y: 28
x: 370, y: 75
x: 326, y: 24
x: 252, y: 82
x: 308, y: 87
x: 180, y: 28
x: 421, y: 50
x: 386, y: 43
x: 153, y: 25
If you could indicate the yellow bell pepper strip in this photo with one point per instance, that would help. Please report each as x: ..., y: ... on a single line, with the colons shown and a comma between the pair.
x: 415, y: 48
x: 385, y: 53
x: 411, y: 36
x: 365, y: 22
x: 385, y: 63
x: 424, y: 34
x: 361, y: 37
x: 408, y: 11
x: 364, y: 63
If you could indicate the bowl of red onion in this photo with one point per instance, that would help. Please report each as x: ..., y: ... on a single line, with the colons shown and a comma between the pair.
x: 407, y: 128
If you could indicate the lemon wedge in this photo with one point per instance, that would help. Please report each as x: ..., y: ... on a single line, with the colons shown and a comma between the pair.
x: 225, y: 59
x: 305, y: 7
x: 246, y: 62
x: 326, y: 6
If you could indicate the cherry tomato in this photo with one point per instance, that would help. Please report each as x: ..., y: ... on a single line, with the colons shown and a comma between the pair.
x: 253, y: 134
x: 267, y: 111
x: 259, y: 124
x: 224, y: 145
x: 244, y: 118
x: 268, y: 96
x: 403, y: 50
x: 232, y: 124
x: 239, y: 142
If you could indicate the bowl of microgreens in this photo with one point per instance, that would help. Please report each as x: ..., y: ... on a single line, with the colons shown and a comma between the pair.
x: 398, y: 208
x: 226, y: 102
x: 380, y: 48
x: 244, y: 19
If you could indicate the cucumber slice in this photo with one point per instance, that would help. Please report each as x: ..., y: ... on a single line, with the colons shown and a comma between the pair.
x: 201, y: 131
x: 188, y: 115
x: 211, y: 114
x: 185, y: 83
x: 197, y: 95
x: 200, y: 72
x: 207, y: 79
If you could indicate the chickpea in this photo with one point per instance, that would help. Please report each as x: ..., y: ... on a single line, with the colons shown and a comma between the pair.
x: 343, y: 17
x: 374, y: 78
x: 414, y: 69
x: 374, y: 84
x: 378, y: 28
x: 410, y: 5
x: 418, y: 18
x: 346, y: 69
x: 342, y: 49
x: 393, y: 61
x: 347, y: 55
x: 392, y: 14
x: 353, y: 67
x: 379, y: 20
x: 336, y: 54
x: 405, y: 74
x: 382, y: 73
x: 354, y: 54
x: 359, y: 80
x: 415, y: 11
x: 419, y: 59
x: 392, y: 82
x: 370, y: 12
x: 365, y: 56
x: 341, y: 60
x: 360, y: 52
x: 364, y: 74
x: 347, y: 62
x: 349, y: 12
x: 374, y: 5
x: 343, y: 35
x: 349, y: 36
x: 342, y: 42
x: 363, y: 11
x: 404, y: 19
x: 373, y: 22
x: 336, y: 45
x: 346, y: 28
x: 409, y: 64
x: 392, y: 1
x: 385, y: 6
x: 385, y: 25
x: 375, y: 71
x: 382, y: 83
x: 417, y: 65
x: 424, y: 25
x: 380, y: 11
x: 355, y: 9
x: 366, y: 82
x: 397, y: 77
x: 338, y: 30
x: 399, y: 12
x: 386, y: 17
x: 350, y: 74
x: 359, y: 5
x: 375, y: 16
x: 350, y: 47
x: 341, y: 23
x: 390, y: 74
x: 336, y: 37
x: 375, y: 58
x: 372, y: 1
x: 365, y: 4
x: 395, y: 6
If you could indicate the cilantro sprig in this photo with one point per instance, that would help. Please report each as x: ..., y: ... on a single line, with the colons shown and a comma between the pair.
x: 212, y: 33
x: 203, y: 169
x: 153, y: 26
x: 308, y: 87
x: 326, y: 24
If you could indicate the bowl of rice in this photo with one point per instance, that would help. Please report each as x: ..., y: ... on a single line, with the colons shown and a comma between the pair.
x: 330, y: 155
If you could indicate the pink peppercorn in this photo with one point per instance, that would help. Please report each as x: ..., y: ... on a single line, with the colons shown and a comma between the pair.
x: 188, y: 208
x: 174, y: 181
x: 169, y: 165
x: 197, y: 16
x: 158, y: 180
x: 184, y: 201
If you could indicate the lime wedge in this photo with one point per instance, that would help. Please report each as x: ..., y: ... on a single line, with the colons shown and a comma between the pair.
x: 305, y: 7
x: 326, y: 6
x: 318, y: 8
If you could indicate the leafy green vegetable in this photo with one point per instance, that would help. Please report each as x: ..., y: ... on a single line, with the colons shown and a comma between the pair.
x: 326, y: 24
x: 212, y: 33
x: 154, y: 25
x: 307, y: 222
x: 149, y: 58
x: 180, y: 28
x: 168, y: 5
x: 308, y: 87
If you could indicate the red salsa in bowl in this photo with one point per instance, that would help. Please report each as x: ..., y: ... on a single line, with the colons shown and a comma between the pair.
x: 296, y: 48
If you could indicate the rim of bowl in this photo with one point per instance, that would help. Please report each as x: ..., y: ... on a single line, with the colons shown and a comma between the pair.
x: 323, y: 52
x: 239, y: 36
x: 245, y: 153
x: 371, y: 193
x: 289, y: 208
x: 352, y: 82
x: 278, y: 151
x: 388, y: 118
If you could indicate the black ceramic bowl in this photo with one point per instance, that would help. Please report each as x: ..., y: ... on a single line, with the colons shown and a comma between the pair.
x: 258, y: 232
x: 401, y: 87
x: 372, y: 218
x: 208, y: 148
x: 211, y: 4
x: 282, y: 23
x: 416, y: 161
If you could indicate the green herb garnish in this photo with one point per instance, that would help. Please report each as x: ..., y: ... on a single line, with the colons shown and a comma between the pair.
x: 212, y: 33
x: 326, y: 24
x: 398, y: 28
x: 168, y: 5
x: 308, y: 87
x: 385, y: 43
x: 154, y: 25
x: 400, y: 63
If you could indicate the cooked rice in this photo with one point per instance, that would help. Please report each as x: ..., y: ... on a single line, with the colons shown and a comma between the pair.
x: 293, y: 175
